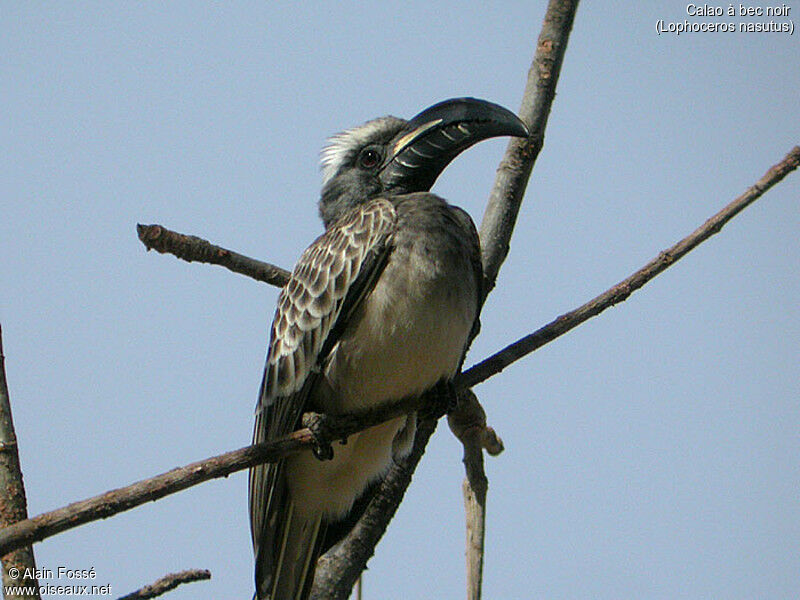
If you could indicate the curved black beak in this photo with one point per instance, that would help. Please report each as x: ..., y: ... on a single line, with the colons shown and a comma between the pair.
x: 438, y: 134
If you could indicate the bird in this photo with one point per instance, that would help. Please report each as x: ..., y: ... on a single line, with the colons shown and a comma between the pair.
x: 379, y: 308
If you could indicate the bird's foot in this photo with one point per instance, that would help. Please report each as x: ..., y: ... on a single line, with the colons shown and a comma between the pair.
x: 317, y: 424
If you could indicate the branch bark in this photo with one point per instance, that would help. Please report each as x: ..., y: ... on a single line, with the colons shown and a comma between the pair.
x: 13, y: 504
x: 324, y: 429
x: 515, y: 168
x: 195, y: 249
x: 468, y: 424
x: 167, y: 583
x: 338, y: 569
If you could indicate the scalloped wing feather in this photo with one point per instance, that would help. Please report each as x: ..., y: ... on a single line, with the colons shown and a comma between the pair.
x: 311, y: 302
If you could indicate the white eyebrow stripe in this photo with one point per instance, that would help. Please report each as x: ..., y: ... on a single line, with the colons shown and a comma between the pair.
x: 341, y: 148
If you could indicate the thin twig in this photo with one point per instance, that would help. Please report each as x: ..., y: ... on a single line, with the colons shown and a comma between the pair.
x: 620, y: 292
x: 194, y: 249
x: 13, y: 504
x: 468, y: 424
x: 496, y: 230
x: 167, y: 583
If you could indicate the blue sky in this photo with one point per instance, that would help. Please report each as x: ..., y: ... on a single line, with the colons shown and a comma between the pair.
x: 651, y: 453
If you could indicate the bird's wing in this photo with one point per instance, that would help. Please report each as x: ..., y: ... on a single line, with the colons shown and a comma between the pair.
x: 329, y: 281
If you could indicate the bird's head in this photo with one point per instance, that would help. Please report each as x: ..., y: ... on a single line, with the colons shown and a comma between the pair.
x: 394, y: 156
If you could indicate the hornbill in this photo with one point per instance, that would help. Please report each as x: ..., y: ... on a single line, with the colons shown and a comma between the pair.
x: 379, y: 308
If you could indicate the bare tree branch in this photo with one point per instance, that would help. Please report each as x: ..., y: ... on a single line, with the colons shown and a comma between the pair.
x: 167, y: 583
x: 13, y: 504
x: 194, y: 249
x: 620, y: 292
x: 468, y: 424
x: 319, y: 428
x: 515, y: 168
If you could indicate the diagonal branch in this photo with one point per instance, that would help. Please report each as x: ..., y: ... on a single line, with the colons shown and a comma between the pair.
x: 517, y: 164
x: 167, y: 583
x: 194, y: 249
x: 620, y: 292
x: 338, y: 569
x: 319, y: 429
x: 13, y: 504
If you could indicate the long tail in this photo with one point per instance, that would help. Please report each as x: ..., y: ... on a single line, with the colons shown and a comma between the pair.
x: 286, y: 543
x: 286, y: 571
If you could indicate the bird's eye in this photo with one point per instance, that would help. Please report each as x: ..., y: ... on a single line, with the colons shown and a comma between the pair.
x: 369, y: 158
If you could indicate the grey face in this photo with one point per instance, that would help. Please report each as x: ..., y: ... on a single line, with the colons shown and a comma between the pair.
x: 351, y: 165
x: 389, y: 156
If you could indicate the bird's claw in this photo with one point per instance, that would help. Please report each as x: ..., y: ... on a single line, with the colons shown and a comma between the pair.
x: 322, y: 451
x: 316, y: 424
